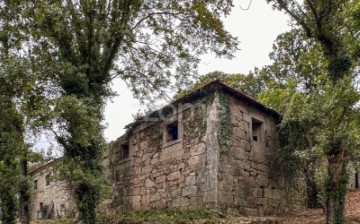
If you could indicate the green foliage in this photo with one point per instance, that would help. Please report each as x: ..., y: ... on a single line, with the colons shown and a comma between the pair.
x: 250, y: 84
x: 11, y: 146
x: 225, y: 122
x: 8, y: 203
x: 332, y: 101
x: 87, y: 198
x: 338, y: 196
x: 146, y: 38
x: 83, y: 45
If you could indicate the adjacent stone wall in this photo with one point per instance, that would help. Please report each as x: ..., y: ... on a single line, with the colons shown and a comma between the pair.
x: 170, y: 174
x: 118, y: 170
x: 56, y: 192
x: 250, y: 183
x: 354, y: 177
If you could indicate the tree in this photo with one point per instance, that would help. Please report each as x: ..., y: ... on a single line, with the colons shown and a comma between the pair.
x: 251, y: 84
x: 22, y: 94
x: 11, y: 120
x: 325, y: 23
x: 84, y: 45
x: 296, y: 71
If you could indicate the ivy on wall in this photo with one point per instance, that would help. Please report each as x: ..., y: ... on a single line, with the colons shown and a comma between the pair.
x: 225, y: 122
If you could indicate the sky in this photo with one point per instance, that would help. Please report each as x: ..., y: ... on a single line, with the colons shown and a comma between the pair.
x: 256, y: 29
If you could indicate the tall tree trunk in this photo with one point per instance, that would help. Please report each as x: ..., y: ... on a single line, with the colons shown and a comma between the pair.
x: 24, y: 193
x: 336, y: 189
x: 311, y: 187
x: 7, y: 195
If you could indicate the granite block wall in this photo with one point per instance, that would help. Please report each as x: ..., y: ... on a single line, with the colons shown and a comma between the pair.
x: 250, y: 182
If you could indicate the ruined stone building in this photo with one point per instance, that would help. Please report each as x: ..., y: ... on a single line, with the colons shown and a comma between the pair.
x: 211, y: 149
x: 50, y: 197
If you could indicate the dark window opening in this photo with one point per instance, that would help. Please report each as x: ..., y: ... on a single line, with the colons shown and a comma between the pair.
x: 35, y: 184
x: 256, y: 130
x: 41, y: 212
x: 47, y: 180
x: 124, y: 151
x: 172, y: 131
x: 62, y: 206
x: 357, y: 181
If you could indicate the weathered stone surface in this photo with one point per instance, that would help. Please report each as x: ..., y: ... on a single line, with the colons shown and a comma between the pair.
x: 239, y: 201
x: 258, y: 192
x: 274, y: 203
x: 261, y: 201
x: 268, y: 193
x: 174, y: 176
x: 193, y: 160
x: 262, y: 180
x: 190, y: 180
x: 197, y: 149
x: 245, y: 144
x: 277, y: 194
x: 160, y: 179
x: 189, y: 191
x: 251, y: 211
x: 149, y: 183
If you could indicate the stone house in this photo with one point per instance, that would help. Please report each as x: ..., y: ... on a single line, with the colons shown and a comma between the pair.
x: 50, y: 198
x: 210, y: 149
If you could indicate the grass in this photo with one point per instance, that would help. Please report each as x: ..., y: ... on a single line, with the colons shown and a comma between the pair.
x: 166, y: 216
x: 201, y: 216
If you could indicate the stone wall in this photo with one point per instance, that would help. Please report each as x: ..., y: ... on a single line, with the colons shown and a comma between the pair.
x: 176, y: 162
x: 169, y: 174
x: 191, y: 172
x: 118, y: 169
x: 54, y: 193
x: 250, y: 183
x: 354, y: 177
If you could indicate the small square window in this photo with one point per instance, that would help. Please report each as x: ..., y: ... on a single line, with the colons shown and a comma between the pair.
x: 62, y: 207
x: 256, y: 130
x: 124, y: 151
x: 35, y: 184
x: 47, y: 179
x: 172, y: 131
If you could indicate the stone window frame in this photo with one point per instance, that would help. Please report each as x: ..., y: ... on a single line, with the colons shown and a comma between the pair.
x: 260, y: 123
x: 35, y: 184
x: 48, y: 179
x: 174, y: 118
x: 172, y: 131
x: 121, y: 152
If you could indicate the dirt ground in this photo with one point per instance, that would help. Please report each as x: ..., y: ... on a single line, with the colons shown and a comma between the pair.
x: 316, y: 216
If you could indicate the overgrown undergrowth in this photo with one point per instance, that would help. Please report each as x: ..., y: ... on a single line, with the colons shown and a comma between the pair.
x: 200, y: 216
x: 163, y: 216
